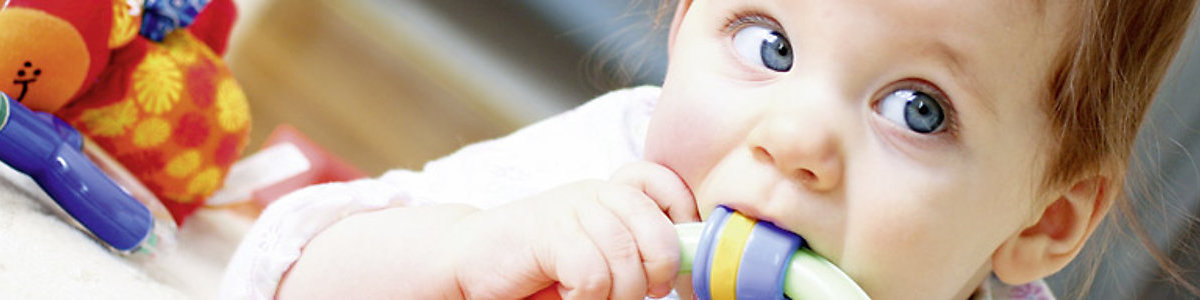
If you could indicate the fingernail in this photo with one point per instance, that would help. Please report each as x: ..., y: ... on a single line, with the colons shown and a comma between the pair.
x: 660, y: 291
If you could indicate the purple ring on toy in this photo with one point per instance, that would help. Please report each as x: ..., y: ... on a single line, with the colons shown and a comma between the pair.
x: 48, y: 150
x: 767, y: 253
x: 704, y: 249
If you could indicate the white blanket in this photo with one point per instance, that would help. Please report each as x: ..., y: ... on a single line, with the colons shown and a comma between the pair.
x: 43, y: 256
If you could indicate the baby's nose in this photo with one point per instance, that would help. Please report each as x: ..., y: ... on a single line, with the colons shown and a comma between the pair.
x: 805, y: 149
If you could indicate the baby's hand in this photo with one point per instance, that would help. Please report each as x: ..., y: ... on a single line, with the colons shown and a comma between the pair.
x: 591, y: 240
x: 673, y: 196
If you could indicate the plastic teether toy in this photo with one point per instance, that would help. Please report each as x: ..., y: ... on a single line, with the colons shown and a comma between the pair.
x: 55, y: 156
x: 732, y: 256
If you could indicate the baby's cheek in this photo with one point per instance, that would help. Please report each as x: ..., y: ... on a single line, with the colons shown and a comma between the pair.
x: 888, y: 263
x: 900, y: 252
x: 685, y: 136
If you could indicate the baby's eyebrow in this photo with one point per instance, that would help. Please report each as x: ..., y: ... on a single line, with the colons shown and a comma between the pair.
x: 957, y: 64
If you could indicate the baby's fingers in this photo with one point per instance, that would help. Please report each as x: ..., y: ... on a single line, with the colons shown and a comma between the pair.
x: 655, y: 242
x: 618, y: 244
x: 579, y: 267
x: 663, y: 186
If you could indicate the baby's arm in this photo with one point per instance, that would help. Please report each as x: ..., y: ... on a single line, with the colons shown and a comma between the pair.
x: 395, y: 251
x: 594, y: 239
x: 591, y: 141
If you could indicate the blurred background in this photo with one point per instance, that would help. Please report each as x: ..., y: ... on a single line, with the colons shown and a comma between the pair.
x: 393, y: 83
x: 387, y: 83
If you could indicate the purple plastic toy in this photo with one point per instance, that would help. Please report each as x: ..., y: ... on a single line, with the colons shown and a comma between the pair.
x: 732, y: 256
x: 51, y: 152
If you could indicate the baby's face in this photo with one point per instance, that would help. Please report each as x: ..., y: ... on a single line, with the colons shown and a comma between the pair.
x: 905, y: 140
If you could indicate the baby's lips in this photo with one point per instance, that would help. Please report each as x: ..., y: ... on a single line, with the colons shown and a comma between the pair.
x: 749, y: 211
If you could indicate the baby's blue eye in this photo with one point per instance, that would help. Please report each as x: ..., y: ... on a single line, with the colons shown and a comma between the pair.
x: 915, y: 110
x: 759, y: 45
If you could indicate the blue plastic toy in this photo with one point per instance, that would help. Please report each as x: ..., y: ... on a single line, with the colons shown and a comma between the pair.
x: 160, y: 17
x: 732, y: 256
x: 51, y: 152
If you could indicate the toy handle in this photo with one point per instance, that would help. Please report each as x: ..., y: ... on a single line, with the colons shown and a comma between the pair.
x: 50, y: 153
x: 806, y: 274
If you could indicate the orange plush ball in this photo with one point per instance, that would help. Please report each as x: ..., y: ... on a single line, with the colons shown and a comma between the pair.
x: 51, y: 45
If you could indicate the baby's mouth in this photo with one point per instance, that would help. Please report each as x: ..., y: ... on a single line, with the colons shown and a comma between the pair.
x: 748, y: 211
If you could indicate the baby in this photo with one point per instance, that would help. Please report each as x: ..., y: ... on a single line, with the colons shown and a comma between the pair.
x: 930, y: 149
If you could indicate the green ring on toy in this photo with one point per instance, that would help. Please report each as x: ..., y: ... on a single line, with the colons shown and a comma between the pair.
x: 736, y: 257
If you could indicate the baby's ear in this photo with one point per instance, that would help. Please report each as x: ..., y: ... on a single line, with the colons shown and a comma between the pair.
x: 676, y: 21
x: 1057, y: 236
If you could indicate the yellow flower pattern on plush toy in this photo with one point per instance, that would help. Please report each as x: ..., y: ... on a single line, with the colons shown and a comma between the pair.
x: 204, y: 183
x: 124, y: 25
x: 157, y: 83
x: 232, y: 111
x: 182, y: 48
x: 112, y: 120
x: 170, y: 112
x: 183, y: 164
x: 151, y: 132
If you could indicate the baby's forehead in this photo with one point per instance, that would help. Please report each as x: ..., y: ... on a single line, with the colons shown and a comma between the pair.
x: 1007, y: 10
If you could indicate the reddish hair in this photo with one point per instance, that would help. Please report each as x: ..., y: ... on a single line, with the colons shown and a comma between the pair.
x: 1105, y: 77
x: 1104, y: 80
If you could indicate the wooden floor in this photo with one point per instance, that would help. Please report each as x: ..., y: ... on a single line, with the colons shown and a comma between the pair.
x: 303, y: 66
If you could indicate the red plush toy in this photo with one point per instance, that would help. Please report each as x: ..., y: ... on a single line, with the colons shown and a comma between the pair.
x: 170, y: 112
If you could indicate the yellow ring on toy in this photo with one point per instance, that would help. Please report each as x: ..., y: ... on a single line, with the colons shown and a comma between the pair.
x: 728, y: 256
